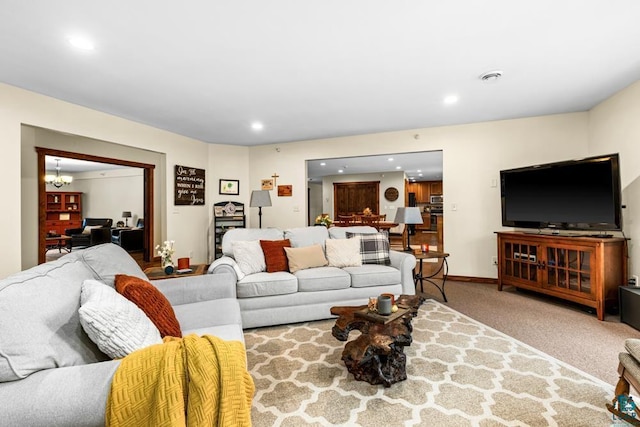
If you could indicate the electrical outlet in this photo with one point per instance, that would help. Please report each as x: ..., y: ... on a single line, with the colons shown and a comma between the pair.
x: 494, y: 260
x: 633, y: 280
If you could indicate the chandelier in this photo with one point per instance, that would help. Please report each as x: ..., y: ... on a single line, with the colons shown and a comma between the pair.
x: 58, y: 180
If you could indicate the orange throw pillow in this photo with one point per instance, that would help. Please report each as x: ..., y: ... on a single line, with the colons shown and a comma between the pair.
x: 274, y: 256
x: 150, y: 300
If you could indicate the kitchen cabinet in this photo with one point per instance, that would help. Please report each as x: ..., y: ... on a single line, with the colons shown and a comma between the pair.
x: 424, y: 190
x: 435, y: 188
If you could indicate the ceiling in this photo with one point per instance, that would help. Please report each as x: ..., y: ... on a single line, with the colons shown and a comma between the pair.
x: 71, y: 166
x: 421, y: 166
x: 320, y: 68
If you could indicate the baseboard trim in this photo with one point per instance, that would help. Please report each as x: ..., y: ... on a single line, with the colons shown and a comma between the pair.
x: 473, y: 279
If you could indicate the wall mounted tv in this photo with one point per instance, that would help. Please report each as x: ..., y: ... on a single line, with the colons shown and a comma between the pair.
x: 570, y: 195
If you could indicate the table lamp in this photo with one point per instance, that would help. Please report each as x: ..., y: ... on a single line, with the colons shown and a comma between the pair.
x: 126, y: 215
x: 408, y: 216
x: 260, y: 198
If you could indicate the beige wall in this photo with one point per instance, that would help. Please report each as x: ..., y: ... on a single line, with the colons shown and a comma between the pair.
x: 187, y: 224
x: 614, y: 127
x: 473, y: 155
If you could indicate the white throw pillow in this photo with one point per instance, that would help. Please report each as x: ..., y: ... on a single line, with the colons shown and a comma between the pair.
x: 343, y: 252
x: 115, y: 324
x: 249, y: 256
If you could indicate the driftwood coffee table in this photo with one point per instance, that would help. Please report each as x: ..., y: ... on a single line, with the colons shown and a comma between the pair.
x: 377, y: 355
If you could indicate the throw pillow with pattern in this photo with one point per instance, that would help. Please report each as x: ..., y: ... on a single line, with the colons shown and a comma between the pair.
x: 150, y: 300
x: 374, y: 248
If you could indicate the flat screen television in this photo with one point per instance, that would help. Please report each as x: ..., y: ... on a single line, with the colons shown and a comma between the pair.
x: 579, y: 194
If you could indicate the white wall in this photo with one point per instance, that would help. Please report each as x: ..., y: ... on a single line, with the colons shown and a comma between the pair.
x: 614, y: 127
x: 108, y: 193
x: 473, y: 155
x: 227, y: 162
x: 187, y: 225
x: 387, y: 179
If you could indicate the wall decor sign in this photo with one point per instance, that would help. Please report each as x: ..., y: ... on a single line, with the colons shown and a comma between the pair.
x: 229, y: 187
x: 267, y: 184
x: 285, y: 190
x: 189, y: 185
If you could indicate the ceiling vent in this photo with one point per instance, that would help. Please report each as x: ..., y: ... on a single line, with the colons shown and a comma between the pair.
x: 491, y: 76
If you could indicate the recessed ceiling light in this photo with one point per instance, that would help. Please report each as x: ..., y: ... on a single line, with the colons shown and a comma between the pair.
x: 390, y: 159
x: 340, y: 171
x: 81, y: 43
x: 398, y: 167
x: 450, y: 99
x: 419, y: 170
x: 257, y: 126
x: 419, y: 174
x: 323, y: 164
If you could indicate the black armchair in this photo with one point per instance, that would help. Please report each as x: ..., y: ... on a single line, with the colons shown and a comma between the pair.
x: 130, y: 239
x: 94, y: 231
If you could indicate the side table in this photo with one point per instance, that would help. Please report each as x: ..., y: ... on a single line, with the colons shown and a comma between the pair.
x: 156, y: 273
x: 444, y: 267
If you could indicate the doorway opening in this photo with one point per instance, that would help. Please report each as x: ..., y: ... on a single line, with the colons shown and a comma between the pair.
x: 148, y: 170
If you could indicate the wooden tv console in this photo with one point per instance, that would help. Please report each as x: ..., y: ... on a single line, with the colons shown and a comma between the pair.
x: 585, y: 270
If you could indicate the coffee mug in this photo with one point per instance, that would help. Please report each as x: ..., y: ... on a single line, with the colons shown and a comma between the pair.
x: 384, y: 305
x: 183, y: 263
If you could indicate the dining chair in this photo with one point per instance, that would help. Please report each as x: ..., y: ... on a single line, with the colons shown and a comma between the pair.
x: 346, y: 220
x: 371, y: 220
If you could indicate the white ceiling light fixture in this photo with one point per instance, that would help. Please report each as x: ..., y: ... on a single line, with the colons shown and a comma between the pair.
x: 82, y: 43
x: 450, y: 99
x: 257, y: 126
x: 390, y: 159
x: 491, y: 76
x: 340, y: 171
x: 58, y: 180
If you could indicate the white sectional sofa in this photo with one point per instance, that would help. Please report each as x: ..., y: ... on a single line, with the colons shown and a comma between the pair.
x: 283, y: 297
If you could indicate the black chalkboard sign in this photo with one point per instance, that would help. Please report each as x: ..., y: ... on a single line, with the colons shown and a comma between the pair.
x: 189, y: 185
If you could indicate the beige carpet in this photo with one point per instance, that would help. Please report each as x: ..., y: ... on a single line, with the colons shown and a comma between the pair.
x: 460, y: 373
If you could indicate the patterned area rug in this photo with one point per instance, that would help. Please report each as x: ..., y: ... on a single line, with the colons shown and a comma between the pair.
x: 460, y: 373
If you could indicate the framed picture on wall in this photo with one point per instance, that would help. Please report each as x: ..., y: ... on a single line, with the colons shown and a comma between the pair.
x: 229, y: 187
x: 267, y: 184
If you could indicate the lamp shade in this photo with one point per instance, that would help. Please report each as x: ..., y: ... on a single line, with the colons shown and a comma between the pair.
x: 126, y: 214
x: 410, y: 215
x: 260, y: 198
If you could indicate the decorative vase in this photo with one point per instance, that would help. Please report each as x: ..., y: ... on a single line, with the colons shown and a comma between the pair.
x: 167, y: 265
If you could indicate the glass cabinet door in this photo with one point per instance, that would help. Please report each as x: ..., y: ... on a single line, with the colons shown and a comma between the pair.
x: 521, y: 261
x: 569, y: 269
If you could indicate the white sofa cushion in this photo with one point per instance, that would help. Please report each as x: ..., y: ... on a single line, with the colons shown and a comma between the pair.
x: 373, y: 275
x: 306, y: 236
x: 249, y: 256
x: 115, y: 324
x: 43, y: 330
x: 322, y: 279
x: 340, y: 232
x: 248, y: 234
x: 265, y: 284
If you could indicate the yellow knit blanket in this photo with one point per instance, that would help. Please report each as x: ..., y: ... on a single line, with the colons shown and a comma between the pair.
x: 190, y: 381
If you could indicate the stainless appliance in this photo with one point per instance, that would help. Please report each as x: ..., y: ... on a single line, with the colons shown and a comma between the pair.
x: 436, y: 199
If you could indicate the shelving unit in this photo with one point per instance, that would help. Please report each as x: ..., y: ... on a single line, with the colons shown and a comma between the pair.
x: 227, y: 216
x: 585, y: 270
x: 63, y: 210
